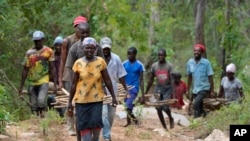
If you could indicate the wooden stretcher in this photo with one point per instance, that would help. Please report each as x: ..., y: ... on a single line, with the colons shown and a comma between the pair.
x: 62, y: 100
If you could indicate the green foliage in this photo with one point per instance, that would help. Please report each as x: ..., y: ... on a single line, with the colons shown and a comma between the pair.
x: 127, y: 23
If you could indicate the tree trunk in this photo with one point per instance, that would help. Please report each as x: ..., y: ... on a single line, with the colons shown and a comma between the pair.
x: 154, y: 18
x: 199, y: 22
x: 223, y: 50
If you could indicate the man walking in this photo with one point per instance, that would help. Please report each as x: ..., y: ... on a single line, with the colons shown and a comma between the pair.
x: 116, y: 72
x: 134, y: 77
x: 162, y: 70
x: 36, y: 63
x: 199, y: 72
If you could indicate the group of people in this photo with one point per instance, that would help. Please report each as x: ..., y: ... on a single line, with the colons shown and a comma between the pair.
x: 90, y: 70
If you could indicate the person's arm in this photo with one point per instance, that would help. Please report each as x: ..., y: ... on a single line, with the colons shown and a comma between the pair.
x: 53, y: 71
x: 239, y: 85
x: 221, y: 92
x: 24, y: 76
x: 241, y: 92
x: 123, y: 82
x: 64, y: 52
x: 72, y: 93
x: 109, y: 85
x: 190, y: 78
x: 211, y: 81
x: 142, y: 87
x: 150, y: 82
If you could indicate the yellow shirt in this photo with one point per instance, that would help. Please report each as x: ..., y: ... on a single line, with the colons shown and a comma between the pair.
x: 89, y: 86
x: 38, y: 63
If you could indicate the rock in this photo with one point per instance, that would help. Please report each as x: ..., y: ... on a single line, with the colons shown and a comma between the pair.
x: 4, y: 138
x: 29, y: 135
x: 217, y: 135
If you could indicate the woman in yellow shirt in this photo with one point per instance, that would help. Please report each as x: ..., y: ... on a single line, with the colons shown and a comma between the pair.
x: 87, y: 93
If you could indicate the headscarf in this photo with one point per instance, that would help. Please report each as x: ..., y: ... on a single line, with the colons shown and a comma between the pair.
x: 59, y: 40
x: 79, y: 20
x: 201, y: 47
x: 231, y: 68
x: 89, y: 41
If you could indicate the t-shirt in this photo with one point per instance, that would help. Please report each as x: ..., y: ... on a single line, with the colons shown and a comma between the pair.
x: 38, y: 63
x: 133, y: 72
x: 89, y: 86
x: 116, y: 71
x: 162, y: 73
x: 179, y: 90
x: 231, y: 88
x: 200, y: 72
x: 67, y: 72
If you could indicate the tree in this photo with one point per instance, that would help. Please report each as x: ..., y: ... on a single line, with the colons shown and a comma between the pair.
x: 199, y: 22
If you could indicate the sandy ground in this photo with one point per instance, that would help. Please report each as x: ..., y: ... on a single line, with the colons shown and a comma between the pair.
x: 149, y: 130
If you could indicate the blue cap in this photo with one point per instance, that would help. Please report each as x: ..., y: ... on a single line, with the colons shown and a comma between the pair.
x: 59, y: 40
x: 38, y: 35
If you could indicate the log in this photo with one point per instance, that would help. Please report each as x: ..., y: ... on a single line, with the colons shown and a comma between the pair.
x: 213, y: 103
x: 49, y: 92
x: 161, y: 103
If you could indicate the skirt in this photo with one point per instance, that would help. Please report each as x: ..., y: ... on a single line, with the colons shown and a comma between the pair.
x: 89, y: 115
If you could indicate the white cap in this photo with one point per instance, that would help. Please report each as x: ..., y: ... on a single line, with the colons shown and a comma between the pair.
x: 231, y: 68
x: 38, y: 35
x: 106, y: 42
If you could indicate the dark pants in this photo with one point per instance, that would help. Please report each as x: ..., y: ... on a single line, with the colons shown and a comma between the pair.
x: 198, y: 103
x: 51, y: 99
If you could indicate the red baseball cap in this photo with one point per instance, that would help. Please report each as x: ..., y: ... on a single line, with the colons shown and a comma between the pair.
x: 79, y: 20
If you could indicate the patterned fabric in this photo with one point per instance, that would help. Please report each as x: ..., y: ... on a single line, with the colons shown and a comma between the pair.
x: 38, y: 63
x: 200, y: 72
x: 179, y: 90
x: 89, y: 86
x: 89, y: 41
x: 133, y: 72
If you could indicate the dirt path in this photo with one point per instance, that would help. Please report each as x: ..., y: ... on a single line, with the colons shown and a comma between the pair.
x: 149, y: 130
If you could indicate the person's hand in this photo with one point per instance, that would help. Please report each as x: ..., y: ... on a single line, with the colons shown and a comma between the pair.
x: 114, y: 102
x: 20, y: 91
x: 142, y: 100
x: 211, y: 94
x: 70, y: 110
x: 127, y: 94
x: 61, y: 85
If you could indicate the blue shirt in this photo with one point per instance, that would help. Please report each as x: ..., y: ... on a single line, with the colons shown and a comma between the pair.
x: 133, y: 72
x: 200, y: 72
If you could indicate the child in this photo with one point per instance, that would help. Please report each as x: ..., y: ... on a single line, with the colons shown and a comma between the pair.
x: 180, y: 88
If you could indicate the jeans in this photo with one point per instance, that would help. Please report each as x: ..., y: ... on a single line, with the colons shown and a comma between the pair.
x: 198, y: 103
x: 38, y: 95
x: 90, y: 135
x: 108, y: 115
